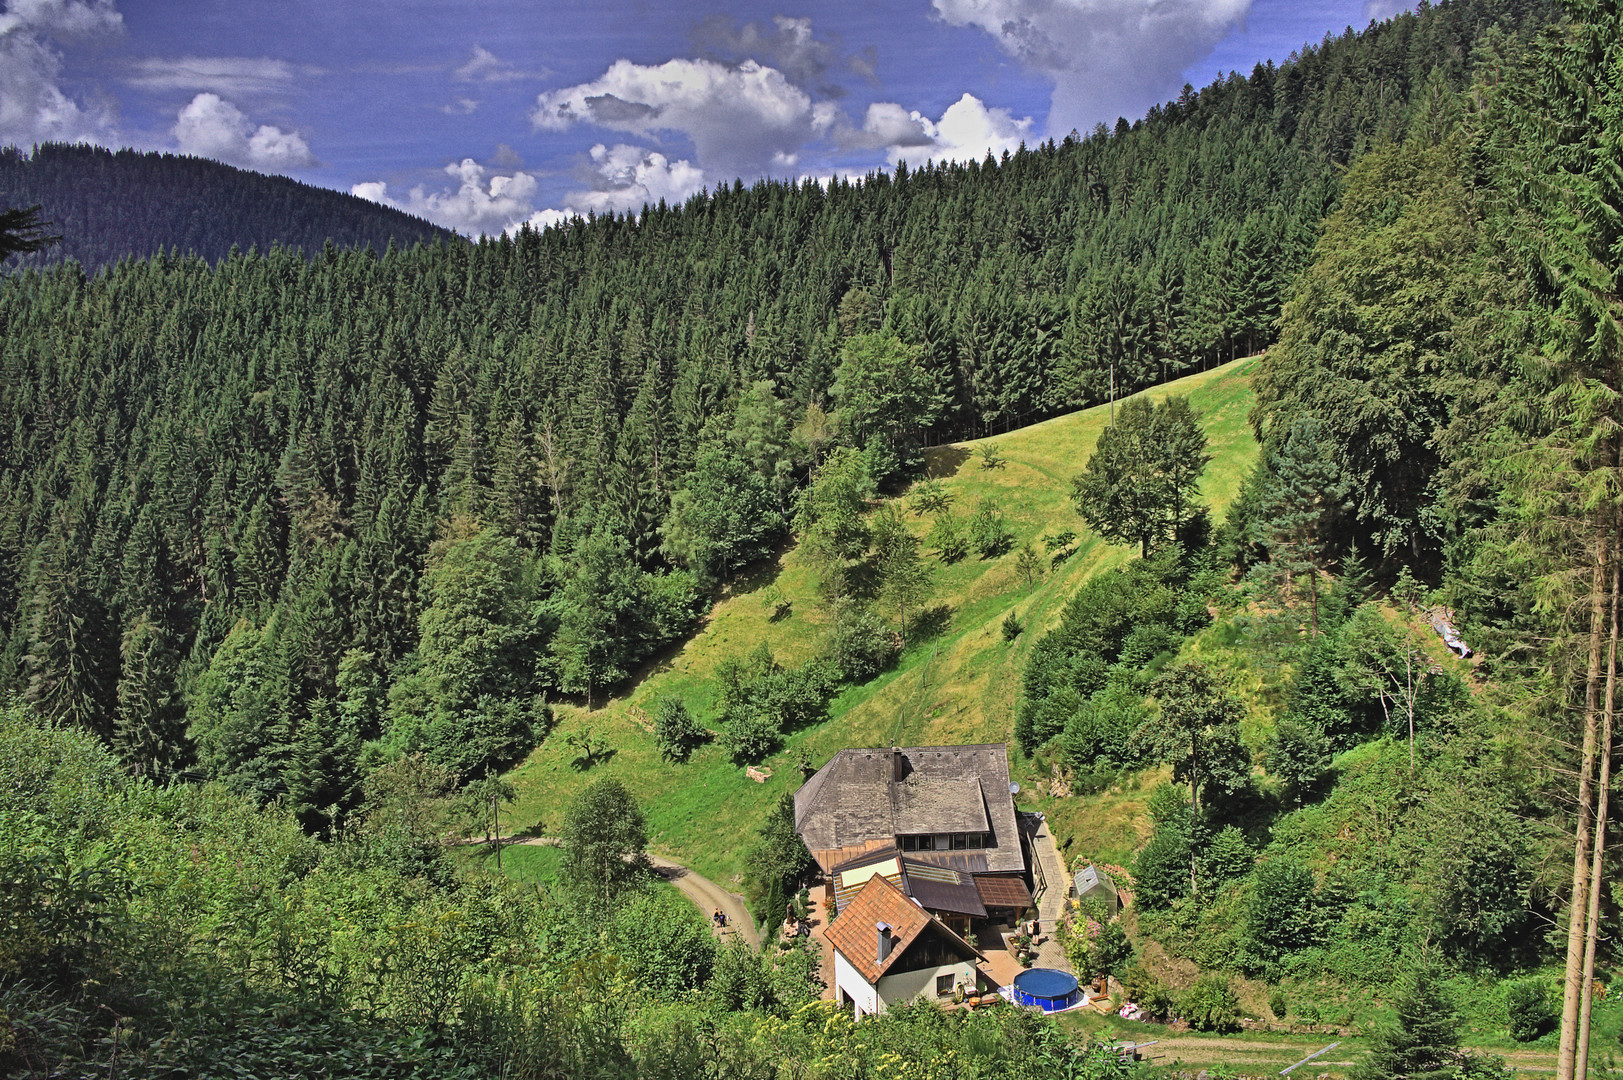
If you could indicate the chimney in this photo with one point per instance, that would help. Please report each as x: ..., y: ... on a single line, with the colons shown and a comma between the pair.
x: 882, y: 950
x: 898, y: 764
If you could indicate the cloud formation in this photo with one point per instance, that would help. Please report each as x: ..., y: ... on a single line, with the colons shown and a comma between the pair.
x: 210, y: 126
x: 234, y: 75
x: 1106, y: 58
x: 626, y: 177
x: 484, y: 66
x: 481, y: 203
x: 487, y: 202
x: 743, y: 119
x: 787, y: 45
x: 1385, y: 9
x: 967, y: 129
x: 33, y: 106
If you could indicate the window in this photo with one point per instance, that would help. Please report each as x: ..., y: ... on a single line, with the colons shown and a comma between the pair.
x: 910, y: 843
x: 926, y: 843
x: 960, y: 841
x: 944, y: 985
x: 977, y: 840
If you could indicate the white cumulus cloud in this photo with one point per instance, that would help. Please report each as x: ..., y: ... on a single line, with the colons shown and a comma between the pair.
x: 966, y: 129
x: 482, y: 202
x: 210, y: 126
x: 485, y: 201
x: 742, y: 119
x: 1106, y: 58
x: 33, y: 106
x: 625, y: 177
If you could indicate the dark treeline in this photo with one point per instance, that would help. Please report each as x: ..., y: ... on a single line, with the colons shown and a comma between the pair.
x: 109, y: 205
x: 258, y: 515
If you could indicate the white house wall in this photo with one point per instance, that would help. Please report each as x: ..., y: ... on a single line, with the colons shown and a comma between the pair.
x: 849, y: 980
x: 913, y: 984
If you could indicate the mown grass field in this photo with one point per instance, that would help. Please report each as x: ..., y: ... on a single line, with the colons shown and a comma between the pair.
x: 957, y: 685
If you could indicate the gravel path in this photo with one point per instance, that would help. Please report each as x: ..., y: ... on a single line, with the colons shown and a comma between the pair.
x: 706, y: 895
x: 709, y: 896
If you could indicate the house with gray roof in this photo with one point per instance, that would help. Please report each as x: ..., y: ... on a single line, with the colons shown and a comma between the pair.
x: 938, y: 822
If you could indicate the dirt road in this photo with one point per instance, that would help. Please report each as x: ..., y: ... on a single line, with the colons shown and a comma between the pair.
x: 706, y: 895
x: 1268, y: 1057
x: 709, y: 896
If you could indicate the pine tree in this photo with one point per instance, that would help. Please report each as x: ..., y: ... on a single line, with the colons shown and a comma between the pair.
x: 1424, y: 1042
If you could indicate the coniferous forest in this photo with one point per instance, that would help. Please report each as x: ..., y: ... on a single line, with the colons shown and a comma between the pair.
x: 298, y: 555
x: 108, y: 205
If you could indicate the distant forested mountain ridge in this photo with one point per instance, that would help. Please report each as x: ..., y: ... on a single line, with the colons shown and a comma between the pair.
x: 111, y: 204
x: 255, y: 514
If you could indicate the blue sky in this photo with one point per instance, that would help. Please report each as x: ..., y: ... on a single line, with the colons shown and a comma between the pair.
x: 482, y: 114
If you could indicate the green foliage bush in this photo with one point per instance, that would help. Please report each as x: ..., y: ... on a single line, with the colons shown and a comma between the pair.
x: 604, y: 840
x: 1110, y: 628
x: 929, y: 497
x: 1211, y: 1005
x: 676, y: 732
x: 948, y: 538
x: 989, y: 534
x: 860, y: 644
x: 1282, y: 915
x: 1142, y: 987
x: 1530, y: 1011
x: 1012, y: 627
x: 761, y: 699
x: 666, y: 943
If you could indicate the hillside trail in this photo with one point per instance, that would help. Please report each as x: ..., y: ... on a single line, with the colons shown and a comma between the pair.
x: 1269, y: 1056
x: 705, y: 894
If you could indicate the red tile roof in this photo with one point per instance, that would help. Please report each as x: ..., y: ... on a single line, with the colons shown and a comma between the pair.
x: 855, y: 934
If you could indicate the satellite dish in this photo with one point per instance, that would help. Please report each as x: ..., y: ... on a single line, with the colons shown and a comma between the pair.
x: 1014, y: 789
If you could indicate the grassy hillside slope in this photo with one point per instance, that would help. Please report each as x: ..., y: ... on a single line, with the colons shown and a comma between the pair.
x: 957, y: 684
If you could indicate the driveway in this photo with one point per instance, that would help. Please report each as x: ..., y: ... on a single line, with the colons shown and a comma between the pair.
x: 706, y: 895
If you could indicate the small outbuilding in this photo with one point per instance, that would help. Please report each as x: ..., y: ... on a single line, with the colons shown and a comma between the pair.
x: 1093, y: 883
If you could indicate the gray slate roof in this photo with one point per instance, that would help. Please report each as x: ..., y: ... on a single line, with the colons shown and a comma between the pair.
x: 870, y: 794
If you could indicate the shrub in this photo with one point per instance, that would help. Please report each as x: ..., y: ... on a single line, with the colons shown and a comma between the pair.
x: 749, y: 734
x: 1059, y: 541
x: 1530, y: 1011
x: 988, y: 532
x: 1277, y: 1003
x: 1161, y: 871
x: 1012, y: 626
x: 862, y: 645
x: 929, y: 497
x: 1141, y: 986
x: 1211, y: 1005
x: 948, y: 538
x: 1283, y: 914
x: 675, y: 730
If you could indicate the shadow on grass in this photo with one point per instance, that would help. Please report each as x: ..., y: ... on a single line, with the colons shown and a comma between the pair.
x: 931, y: 622
x: 940, y: 462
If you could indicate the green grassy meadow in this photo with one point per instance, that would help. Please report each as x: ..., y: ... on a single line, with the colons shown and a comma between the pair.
x: 957, y: 685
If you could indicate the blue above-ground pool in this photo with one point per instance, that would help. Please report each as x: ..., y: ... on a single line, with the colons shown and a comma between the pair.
x: 1047, y: 988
